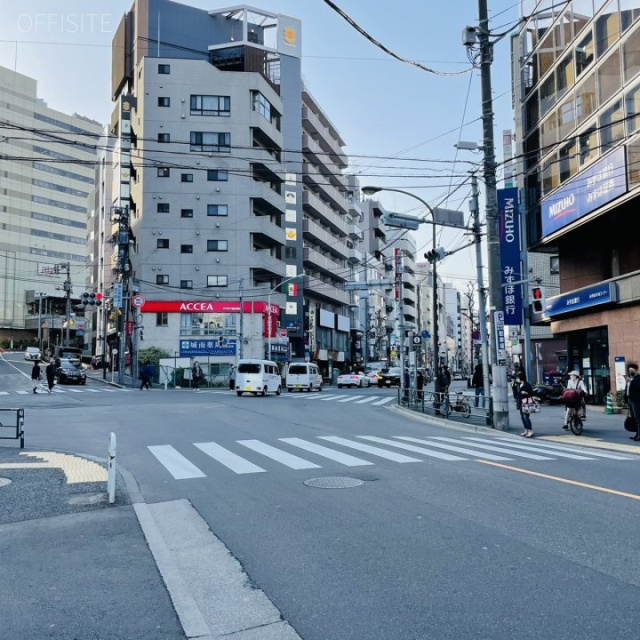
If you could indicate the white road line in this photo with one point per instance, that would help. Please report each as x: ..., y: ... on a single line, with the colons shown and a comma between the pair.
x: 175, y: 463
x: 375, y: 451
x: 92, y: 390
x: 287, y: 459
x: 377, y: 404
x: 349, y: 398
x: 550, y: 450
x: 411, y: 447
x: 72, y: 391
x: 505, y: 449
x: 325, y: 452
x: 331, y: 397
x: 470, y: 452
x: 24, y: 393
x: 228, y: 459
x: 556, y: 447
x: 369, y: 399
x: 4, y: 393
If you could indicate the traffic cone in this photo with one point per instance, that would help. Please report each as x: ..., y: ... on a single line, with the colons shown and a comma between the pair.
x: 609, y: 407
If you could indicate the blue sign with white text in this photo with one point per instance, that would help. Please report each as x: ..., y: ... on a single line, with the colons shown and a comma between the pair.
x: 206, y: 347
x: 510, y: 265
x: 582, y: 299
x: 597, y: 185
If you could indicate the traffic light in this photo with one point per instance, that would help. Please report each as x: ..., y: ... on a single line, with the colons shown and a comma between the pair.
x: 537, y: 299
x: 141, y: 335
x: 435, y: 254
x: 91, y: 299
x: 221, y: 341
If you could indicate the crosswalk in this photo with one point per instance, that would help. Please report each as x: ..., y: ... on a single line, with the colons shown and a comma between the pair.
x: 58, y: 390
x: 374, y: 400
x: 246, y: 456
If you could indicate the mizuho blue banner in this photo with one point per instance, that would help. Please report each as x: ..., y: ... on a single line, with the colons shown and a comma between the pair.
x: 510, y: 263
x: 594, y: 187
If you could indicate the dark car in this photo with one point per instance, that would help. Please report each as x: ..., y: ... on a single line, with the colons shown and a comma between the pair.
x: 389, y: 377
x: 70, y: 373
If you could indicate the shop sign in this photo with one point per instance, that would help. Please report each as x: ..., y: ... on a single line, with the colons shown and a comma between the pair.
x: 206, y: 348
x: 597, y: 295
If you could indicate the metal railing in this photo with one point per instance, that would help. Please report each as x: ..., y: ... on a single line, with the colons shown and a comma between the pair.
x: 458, y: 406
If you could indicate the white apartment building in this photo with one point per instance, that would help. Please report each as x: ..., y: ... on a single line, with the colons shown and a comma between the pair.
x: 47, y: 174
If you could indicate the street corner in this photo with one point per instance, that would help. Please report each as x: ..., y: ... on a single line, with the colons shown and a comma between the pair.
x: 41, y: 484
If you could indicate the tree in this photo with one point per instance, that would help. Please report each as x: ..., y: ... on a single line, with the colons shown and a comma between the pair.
x: 152, y: 355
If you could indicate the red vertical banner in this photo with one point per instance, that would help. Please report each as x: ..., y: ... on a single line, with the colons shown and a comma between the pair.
x: 293, y: 289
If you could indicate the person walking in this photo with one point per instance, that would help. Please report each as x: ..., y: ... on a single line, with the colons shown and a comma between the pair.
x: 576, y: 383
x: 50, y: 372
x: 144, y: 377
x: 633, y: 397
x: 232, y: 377
x: 525, y: 390
x: 444, y: 381
x: 36, y: 372
x: 477, y: 382
x: 196, y: 372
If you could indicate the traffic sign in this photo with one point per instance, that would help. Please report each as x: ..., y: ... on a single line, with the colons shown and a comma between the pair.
x: 417, y: 340
x: 283, y: 333
x: 425, y: 335
x: 137, y: 301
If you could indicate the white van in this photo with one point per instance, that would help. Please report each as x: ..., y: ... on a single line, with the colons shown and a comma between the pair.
x: 258, y: 377
x: 303, y: 375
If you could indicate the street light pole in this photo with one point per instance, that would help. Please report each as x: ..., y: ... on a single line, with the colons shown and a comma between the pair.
x: 40, y: 295
x: 269, y: 327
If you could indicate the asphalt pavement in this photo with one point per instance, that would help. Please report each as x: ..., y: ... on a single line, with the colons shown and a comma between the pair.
x: 75, y: 566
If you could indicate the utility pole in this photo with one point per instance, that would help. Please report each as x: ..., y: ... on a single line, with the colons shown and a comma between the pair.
x: 500, y: 399
x: 67, y: 292
x: 123, y: 267
x: 241, y: 337
x: 482, y: 311
x: 399, y: 295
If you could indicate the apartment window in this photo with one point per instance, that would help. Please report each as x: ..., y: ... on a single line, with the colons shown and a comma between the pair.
x: 163, y: 172
x: 210, y: 105
x: 586, y: 99
x: 632, y: 101
x: 162, y: 243
x: 210, y: 141
x: 607, y: 28
x: 186, y: 213
x: 588, y: 145
x: 609, y: 77
x: 217, y: 175
x: 568, y: 161
x: 164, y: 102
x: 186, y: 248
x: 186, y: 284
x: 584, y: 53
x: 217, y: 281
x: 631, y: 54
x: 162, y: 279
x: 164, y: 137
x: 290, y: 253
x: 265, y: 109
x: 554, y: 265
x: 217, y: 210
x: 164, y: 69
x: 217, y: 245
x: 611, y: 126
x: 163, y: 207
x: 186, y: 177
x: 162, y: 319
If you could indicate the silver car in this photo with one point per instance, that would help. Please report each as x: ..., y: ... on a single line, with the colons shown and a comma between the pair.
x: 32, y: 353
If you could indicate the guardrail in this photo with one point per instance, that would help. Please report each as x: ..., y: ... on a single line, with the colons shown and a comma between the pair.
x: 457, y: 406
x: 18, y: 426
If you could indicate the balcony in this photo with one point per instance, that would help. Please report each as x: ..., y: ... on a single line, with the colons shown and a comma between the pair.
x: 322, y: 263
x: 325, y: 290
x: 262, y: 261
x: 356, y: 232
x: 311, y: 175
x: 326, y: 140
x: 266, y: 199
x: 324, y: 238
x: 355, y: 256
x: 262, y: 226
x: 310, y: 201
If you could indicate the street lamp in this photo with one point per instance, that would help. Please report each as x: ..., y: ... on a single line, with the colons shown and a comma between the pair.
x: 369, y: 191
x: 298, y: 275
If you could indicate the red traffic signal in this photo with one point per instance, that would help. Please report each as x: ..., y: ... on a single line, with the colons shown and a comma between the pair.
x: 99, y: 297
x: 538, y: 301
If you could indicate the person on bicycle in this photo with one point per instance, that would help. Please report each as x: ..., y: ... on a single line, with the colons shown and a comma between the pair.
x: 576, y: 383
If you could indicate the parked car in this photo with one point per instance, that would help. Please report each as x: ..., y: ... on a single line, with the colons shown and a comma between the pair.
x: 353, y: 380
x: 457, y: 376
x: 70, y: 373
x: 32, y: 353
x: 389, y: 377
x: 373, y: 376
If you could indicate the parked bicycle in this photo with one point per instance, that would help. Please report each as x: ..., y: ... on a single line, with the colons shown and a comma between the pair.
x: 461, y: 405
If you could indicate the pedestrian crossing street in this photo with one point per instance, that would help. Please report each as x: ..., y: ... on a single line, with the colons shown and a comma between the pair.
x: 58, y: 390
x: 246, y: 456
x: 342, y: 397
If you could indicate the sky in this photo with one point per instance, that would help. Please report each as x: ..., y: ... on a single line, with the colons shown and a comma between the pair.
x: 400, y: 123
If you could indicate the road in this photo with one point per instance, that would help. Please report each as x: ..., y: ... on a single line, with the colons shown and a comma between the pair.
x: 438, y: 532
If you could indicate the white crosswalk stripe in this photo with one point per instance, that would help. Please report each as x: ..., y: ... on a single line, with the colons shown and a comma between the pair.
x: 59, y: 390
x: 384, y: 401
x: 447, y: 449
x: 369, y: 399
x: 349, y: 398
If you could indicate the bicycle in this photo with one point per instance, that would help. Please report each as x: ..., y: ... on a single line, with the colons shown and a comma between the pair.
x: 462, y: 405
x: 575, y: 420
x: 573, y: 402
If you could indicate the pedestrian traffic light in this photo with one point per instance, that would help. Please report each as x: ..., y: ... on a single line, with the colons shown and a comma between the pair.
x: 537, y: 299
x: 435, y: 254
x: 221, y: 341
x: 141, y: 334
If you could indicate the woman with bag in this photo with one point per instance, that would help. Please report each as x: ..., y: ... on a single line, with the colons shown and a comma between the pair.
x: 525, y: 401
x: 576, y: 383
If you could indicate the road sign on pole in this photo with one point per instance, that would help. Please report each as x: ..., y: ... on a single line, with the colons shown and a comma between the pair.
x: 137, y: 301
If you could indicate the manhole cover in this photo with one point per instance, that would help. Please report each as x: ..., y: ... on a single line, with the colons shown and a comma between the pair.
x: 4, y: 482
x: 89, y: 499
x: 333, y: 483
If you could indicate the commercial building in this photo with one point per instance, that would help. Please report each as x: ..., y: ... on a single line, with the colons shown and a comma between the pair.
x: 578, y: 125
x: 47, y: 163
x: 242, y: 229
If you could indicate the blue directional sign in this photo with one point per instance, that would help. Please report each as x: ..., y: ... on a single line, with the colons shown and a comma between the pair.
x: 425, y: 335
x: 206, y: 347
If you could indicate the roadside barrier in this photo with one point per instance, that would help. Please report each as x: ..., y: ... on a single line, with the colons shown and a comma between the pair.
x: 17, y: 426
